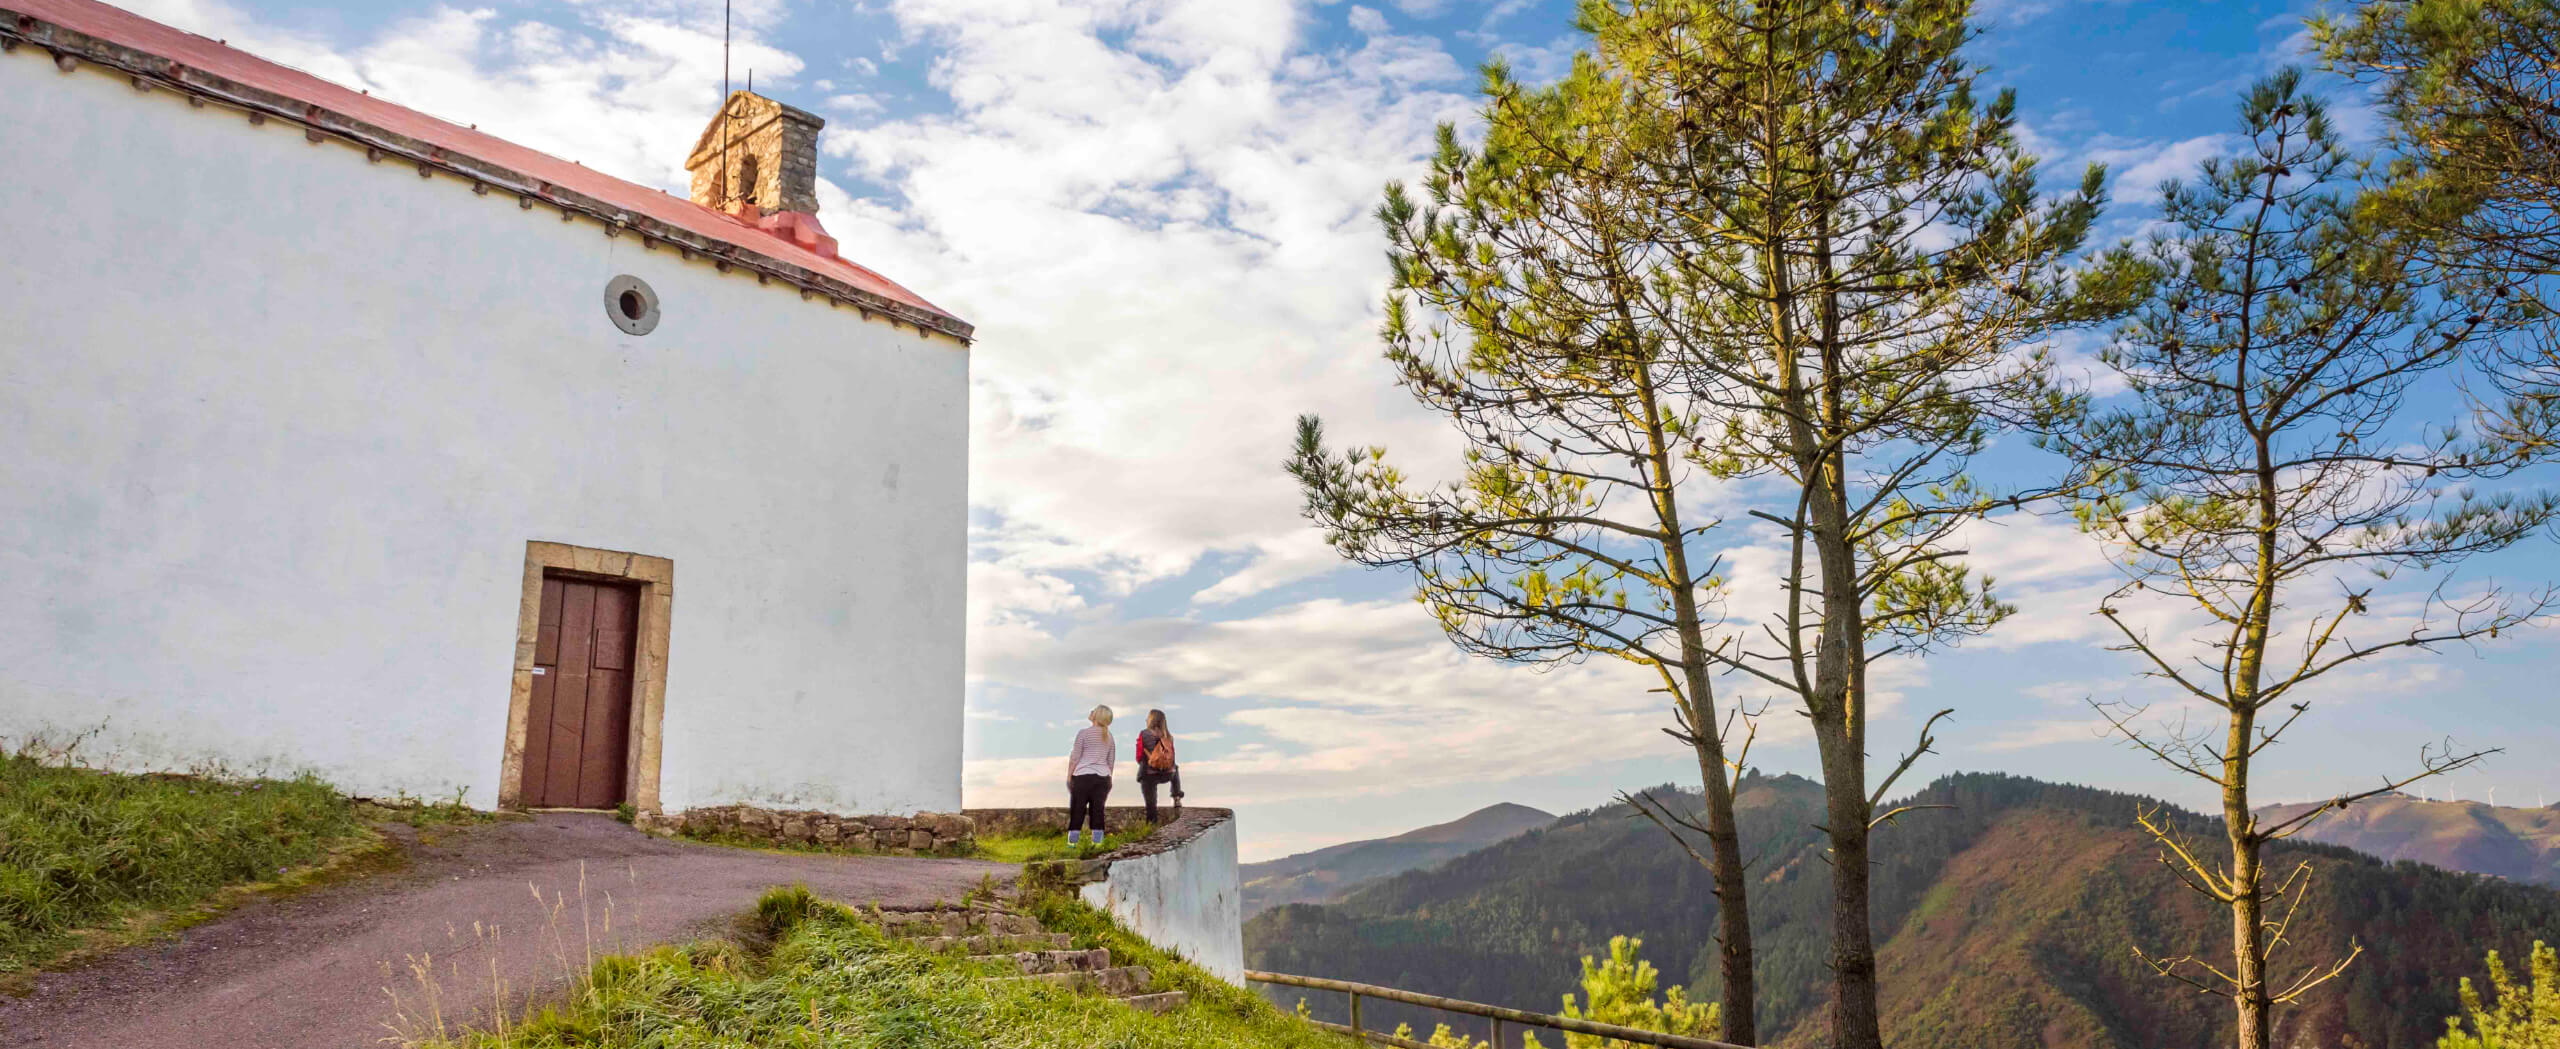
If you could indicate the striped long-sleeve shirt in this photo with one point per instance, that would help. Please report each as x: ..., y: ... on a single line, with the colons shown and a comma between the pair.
x: 1092, y: 755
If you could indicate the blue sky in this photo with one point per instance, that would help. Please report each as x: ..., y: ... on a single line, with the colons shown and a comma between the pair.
x: 1157, y: 213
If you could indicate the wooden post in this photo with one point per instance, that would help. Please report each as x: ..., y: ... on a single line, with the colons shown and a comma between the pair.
x: 1357, y: 1036
x: 1496, y: 1043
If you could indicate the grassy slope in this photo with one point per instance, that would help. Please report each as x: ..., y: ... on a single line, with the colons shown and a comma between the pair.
x: 89, y: 859
x: 1328, y: 873
x: 2517, y: 844
x: 815, y: 973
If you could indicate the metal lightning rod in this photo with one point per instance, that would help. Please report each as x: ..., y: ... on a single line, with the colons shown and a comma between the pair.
x: 724, y: 105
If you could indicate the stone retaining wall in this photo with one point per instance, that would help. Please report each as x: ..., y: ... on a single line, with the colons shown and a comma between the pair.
x: 1179, y: 888
x: 923, y: 834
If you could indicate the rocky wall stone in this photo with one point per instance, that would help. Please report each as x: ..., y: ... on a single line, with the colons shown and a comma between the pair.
x: 757, y: 151
x: 929, y: 834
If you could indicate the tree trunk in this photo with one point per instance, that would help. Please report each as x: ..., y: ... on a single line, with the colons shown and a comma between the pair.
x: 1724, y: 841
x: 1836, y: 707
x: 2248, y: 875
x: 1838, y: 703
x: 2248, y: 945
x: 1854, y: 1021
x: 2239, y: 820
x: 1839, y: 726
x: 1733, y: 902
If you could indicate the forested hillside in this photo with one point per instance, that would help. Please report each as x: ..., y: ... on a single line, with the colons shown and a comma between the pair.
x: 2007, y: 922
x: 1334, y: 871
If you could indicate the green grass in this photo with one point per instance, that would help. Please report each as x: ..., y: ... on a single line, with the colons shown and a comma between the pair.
x: 1052, y: 845
x: 814, y: 974
x: 1008, y: 848
x: 91, y: 859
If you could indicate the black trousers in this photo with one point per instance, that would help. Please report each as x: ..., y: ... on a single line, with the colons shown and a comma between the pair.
x: 1085, y: 795
x: 1147, y: 785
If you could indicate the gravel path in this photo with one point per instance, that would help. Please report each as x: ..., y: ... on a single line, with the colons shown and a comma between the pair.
x: 340, y: 967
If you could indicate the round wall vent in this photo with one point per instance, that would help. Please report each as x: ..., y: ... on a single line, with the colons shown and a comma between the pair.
x: 631, y: 303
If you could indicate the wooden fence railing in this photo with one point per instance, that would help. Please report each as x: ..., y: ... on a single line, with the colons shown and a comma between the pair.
x: 1496, y: 1013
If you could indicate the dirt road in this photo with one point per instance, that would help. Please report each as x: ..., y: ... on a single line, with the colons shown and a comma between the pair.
x: 503, y: 911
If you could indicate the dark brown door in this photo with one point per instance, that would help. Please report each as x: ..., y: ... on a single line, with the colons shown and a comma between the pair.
x: 581, y: 719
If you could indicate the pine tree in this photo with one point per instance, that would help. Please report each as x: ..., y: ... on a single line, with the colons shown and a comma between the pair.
x: 1621, y: 991
x: 1520, y: 309
x: 1863, y: 264
x: 2523, y: 1016
x: 2257, y: 477
x: 2472, y: 88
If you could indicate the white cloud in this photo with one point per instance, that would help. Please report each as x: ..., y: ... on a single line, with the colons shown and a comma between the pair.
x: 1167, y: 249
x: 2136, y: 169
x: 1286, y: 559
x: 228, y: 24
x: 1339, y: 697
x: 622, y: 93
x: 2074, y: 355
x: 854, y: 103
x: 2080, y: 731
x: 1499, y: 11
x: 1540, y: 63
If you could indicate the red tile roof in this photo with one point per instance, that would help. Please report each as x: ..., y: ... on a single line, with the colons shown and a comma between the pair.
x: 163, y: 54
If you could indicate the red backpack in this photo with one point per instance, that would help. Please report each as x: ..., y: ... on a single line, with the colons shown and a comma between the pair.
x: 1160, y: 757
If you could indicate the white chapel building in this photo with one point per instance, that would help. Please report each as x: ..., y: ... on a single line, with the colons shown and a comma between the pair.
x: 336, y: 437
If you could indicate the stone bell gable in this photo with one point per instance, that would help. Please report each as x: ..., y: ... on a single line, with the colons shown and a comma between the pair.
x: 757, y: 151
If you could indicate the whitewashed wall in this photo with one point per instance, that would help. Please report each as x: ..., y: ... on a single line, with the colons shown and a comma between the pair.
x: 1187, y: 900
x: 276, y: 424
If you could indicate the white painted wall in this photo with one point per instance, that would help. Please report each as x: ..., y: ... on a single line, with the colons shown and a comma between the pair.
x: 1187, y: 900
x: 276, y: 424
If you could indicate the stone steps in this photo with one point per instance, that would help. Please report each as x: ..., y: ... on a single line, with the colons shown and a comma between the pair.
x: 993, y: 944
x: 1033, y: 963
x: 1159, y: 1003
x: 1117, y: 982
x: 998, y: 936
x: 960, y: 923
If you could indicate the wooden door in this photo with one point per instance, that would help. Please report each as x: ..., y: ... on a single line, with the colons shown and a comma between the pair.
x: 580, y: 724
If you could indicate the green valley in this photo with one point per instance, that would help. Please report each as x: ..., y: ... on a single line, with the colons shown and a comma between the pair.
x: 2007, y: 921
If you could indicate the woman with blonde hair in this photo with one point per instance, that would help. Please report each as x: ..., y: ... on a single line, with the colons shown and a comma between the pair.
x: 1089, y: 775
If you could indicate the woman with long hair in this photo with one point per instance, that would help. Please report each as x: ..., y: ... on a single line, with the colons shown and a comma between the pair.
x: 1156, y: 765
x: 1089, y: 775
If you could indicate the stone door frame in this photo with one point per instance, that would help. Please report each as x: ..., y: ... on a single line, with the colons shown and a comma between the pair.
x: 656, y: 579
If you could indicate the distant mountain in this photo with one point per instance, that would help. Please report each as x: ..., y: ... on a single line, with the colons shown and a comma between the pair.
x: 2007, y: 922
x: 1327, y: 873
x: 2512, y: 843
